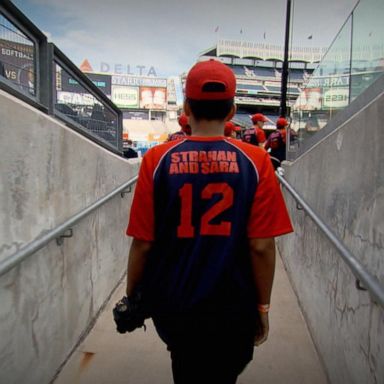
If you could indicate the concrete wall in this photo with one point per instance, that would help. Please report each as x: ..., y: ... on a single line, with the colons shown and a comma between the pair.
x: 48, y: 173
x: 342, y: 178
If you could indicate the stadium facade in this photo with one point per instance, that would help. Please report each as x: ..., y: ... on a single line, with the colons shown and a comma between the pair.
x: 258, y: 70
x: 149, y: 104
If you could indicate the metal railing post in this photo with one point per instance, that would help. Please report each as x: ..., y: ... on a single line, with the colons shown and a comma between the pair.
x: 45, y: 75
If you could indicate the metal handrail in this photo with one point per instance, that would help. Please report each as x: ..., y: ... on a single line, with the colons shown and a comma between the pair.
x: 46, y: 57
x: 369, y: 281
x: 12, y: 260
x: 60, y: 59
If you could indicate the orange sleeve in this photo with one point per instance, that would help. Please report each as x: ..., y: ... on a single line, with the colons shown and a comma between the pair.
x: 269, y: 216
x: 141, y: 220
x: 142, y: 217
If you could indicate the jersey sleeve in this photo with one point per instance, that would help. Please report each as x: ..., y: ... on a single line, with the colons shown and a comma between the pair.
x: 141, y: 220
x: 269, y: 216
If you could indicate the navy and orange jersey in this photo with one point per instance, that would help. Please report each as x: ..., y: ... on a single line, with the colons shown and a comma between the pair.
x: 277, y: 144
x: 249, y: 136
x: 177, y: 135
x: 254, y: 136
x: 199, y: 200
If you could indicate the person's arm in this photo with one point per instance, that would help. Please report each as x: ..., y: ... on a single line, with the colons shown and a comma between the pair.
x: 136, y: 263
x: 263, y: 270
x: 268, y: 218
x: 263, y: 267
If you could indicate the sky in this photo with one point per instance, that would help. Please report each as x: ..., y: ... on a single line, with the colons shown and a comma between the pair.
x: 168, y: 35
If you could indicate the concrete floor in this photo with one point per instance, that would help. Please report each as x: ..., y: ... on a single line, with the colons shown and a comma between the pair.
x: 106, y: 357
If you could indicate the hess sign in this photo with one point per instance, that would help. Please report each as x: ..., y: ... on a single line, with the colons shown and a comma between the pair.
x: 336, y: 98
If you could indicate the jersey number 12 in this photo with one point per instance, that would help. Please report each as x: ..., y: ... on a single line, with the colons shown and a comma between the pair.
x: 186, y: 229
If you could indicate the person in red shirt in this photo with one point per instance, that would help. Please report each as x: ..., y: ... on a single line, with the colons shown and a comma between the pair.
x: 237, y: 131
x: 258, y: 121
x: 229, y: 129
x: 232, y: 130
x: 203, y: 219
x: 185, y: 129
x: 256, y: 135
x: 277, y: 142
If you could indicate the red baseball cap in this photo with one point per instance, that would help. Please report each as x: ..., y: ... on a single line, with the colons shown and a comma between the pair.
x: 258, y: 117
x: 229, y: 128
x: 281, y: 122
x: 210, y: 80
x: 183, y: 120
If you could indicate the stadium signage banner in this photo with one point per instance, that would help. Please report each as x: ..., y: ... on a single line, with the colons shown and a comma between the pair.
x: 153, y: 98
x: 72, y: 98
x: 125, y: 97
x: 243, y: 100
x: 336, y: 98
x: 103, y: 82
x: 171, y: 94
x: 136, y: 115
x: 309, y: 99
x: 18, y: 61
x: 122, y: 69
x: 136, y: 81
x: 329, y: 82
x: 139, y: 97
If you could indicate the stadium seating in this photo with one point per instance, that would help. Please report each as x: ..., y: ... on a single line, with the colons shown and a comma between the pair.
x: 270, y: 88
x: 242, y: 119
x: 296, y: 75
x: 254, y: 87
x: 255, y: 72
x: 294, y: 90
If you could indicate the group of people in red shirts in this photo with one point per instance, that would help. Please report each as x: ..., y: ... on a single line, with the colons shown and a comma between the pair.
x: 275, y: 144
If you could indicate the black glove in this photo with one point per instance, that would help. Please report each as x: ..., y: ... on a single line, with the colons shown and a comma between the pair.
x: 129, y: 313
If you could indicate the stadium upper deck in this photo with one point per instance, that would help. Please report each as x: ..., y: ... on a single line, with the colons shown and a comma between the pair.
x: 258, y: 70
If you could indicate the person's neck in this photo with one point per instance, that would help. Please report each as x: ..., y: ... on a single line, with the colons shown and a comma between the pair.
x: 207, y: 128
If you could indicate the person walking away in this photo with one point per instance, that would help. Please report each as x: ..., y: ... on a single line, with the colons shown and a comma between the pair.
x: 128, y: 151
x: 204, y: 216
x: 230, y: 129
x: 256, y: 134
x: 184, y: 131
x: 237, y: 134
x: 276, y: 143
